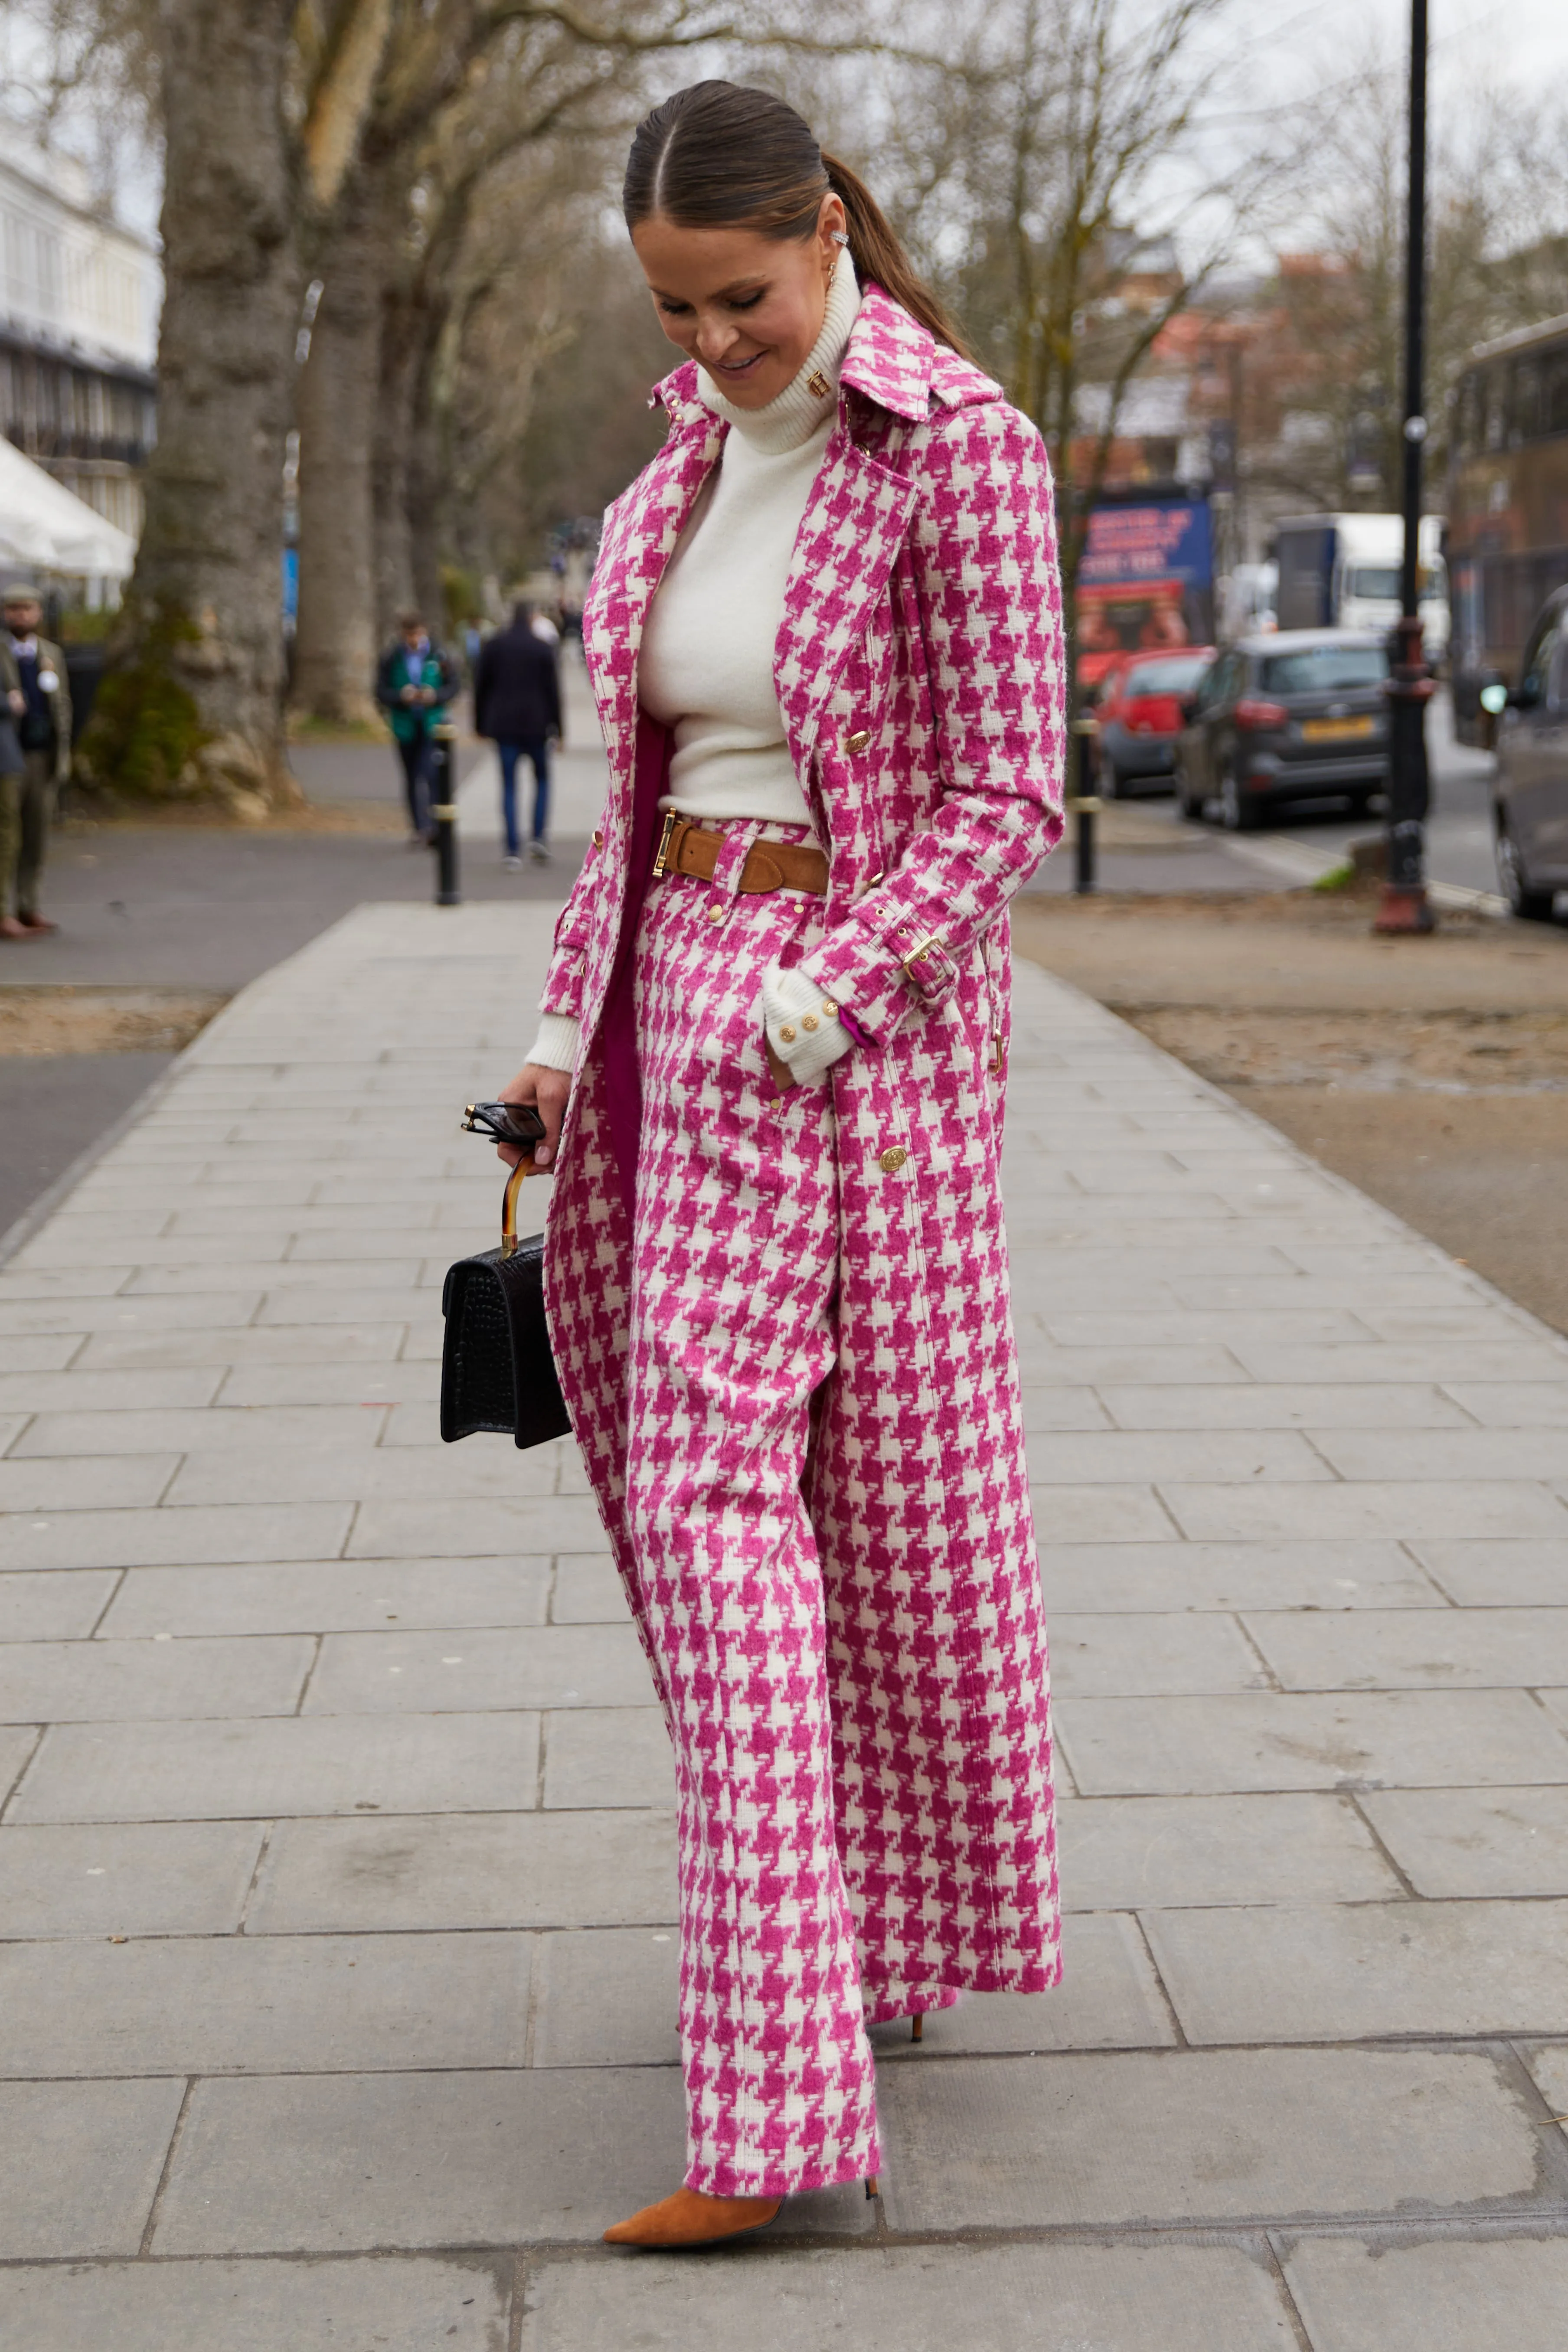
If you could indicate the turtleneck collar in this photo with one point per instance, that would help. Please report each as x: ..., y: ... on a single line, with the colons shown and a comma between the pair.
x: 789, y: 421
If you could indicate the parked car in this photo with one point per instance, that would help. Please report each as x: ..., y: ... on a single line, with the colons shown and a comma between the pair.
x: 1139, y: 707
x: 1298, y: 715
x: 1529, y: 789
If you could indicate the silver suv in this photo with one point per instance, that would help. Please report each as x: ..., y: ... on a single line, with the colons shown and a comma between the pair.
x: 1530, y: 793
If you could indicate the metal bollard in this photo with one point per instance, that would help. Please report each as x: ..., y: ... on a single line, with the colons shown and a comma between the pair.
x: 1085, y: 807
x: 444, y: 810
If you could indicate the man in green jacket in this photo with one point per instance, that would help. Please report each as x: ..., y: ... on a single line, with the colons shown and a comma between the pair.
x: 414, y: 681
x: 39, y: 706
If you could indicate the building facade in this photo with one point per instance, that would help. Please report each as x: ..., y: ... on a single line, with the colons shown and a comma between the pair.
x: 80, y: 296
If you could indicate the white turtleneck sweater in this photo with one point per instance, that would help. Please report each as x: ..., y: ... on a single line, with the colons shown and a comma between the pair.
x: 706, y: 668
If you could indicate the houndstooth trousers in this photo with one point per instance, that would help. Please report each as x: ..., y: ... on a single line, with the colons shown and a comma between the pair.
x: 732, y: 1331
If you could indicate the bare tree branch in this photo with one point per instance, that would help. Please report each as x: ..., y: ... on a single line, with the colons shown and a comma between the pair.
x: 340, y: 98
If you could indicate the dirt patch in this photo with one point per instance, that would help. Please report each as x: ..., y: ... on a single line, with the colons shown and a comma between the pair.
x: 190, y: 817
x: 1432, y: 1073
x: 1289, y: 951
x: 53, y: 1020
x: 1387, y: 1053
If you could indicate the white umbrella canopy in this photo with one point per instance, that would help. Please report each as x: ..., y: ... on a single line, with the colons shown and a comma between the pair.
x: 44, y: 527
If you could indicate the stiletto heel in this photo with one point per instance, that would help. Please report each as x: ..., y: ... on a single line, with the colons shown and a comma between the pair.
x: 917, y: 2026
x: 873, y: 2186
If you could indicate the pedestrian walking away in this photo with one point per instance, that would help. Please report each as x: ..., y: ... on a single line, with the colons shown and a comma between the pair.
x: 824, y: 637
x: 517, y: 704
x: 35, y: 760
x: 413, y: 685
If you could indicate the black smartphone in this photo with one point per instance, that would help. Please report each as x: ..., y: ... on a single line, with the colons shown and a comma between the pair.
x: 504, y: 1122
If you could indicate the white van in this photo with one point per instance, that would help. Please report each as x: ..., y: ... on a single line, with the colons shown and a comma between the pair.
x: 1342, y: 572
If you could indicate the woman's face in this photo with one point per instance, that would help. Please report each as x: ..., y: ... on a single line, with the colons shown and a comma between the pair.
x: 749, y: 306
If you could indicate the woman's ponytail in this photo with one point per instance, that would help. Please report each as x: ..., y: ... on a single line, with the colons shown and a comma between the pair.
x: 722, y: 155
x: 878, y: 252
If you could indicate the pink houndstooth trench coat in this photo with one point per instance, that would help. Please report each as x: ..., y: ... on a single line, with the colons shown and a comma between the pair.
x: 919, y: 670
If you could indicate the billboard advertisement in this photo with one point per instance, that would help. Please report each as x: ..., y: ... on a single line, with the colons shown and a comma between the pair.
x: 1146, y: 581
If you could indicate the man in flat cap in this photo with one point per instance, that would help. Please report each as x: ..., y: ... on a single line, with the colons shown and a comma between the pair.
x: 39, y: 704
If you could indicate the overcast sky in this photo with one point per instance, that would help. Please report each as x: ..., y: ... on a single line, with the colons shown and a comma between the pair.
x: 1500, y: 42
x: 1511, y: 40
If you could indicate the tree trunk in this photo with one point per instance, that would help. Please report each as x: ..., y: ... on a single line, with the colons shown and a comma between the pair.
x: 427, y: 480
x: 395, y: 571
x: 192, y: 703
x: 335, y: 647
x: 409, y: 474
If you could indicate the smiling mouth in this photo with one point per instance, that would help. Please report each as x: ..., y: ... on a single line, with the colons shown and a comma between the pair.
x: 738, y: 367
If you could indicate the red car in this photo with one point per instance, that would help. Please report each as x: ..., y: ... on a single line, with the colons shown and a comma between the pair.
x: 1139, y: 707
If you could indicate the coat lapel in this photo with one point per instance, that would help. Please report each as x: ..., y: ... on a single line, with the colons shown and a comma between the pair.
x: 849, y: 540
x: 644, y: 527
x: 640, y: 535
x: 851, y: 533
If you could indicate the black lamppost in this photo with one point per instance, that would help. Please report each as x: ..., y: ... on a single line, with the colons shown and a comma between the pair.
x: 1403, y: 905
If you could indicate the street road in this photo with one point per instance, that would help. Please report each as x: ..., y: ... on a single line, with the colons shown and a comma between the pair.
x: 1459, y: 834
x: 1308, y: 843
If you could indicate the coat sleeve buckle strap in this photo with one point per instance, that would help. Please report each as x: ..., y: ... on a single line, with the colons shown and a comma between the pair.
x: 929, y: 968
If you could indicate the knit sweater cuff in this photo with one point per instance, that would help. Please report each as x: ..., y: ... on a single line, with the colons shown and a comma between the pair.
x: 555, y: 1046
x: 802, y: 1025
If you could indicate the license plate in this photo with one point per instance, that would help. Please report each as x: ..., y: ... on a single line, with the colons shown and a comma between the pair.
x: 1335, y: 730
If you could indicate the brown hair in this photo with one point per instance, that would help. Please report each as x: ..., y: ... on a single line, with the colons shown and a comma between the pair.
x: 720, y: 154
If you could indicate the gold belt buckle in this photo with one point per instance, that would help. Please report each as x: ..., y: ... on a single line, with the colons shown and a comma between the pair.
x: 918, y: 955
x: 670, y: 820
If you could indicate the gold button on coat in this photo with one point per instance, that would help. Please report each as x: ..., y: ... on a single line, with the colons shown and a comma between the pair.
x: 809, y: 1022
x: 858, y: 740
x: 787, y: 1034
x: 892, y: 1160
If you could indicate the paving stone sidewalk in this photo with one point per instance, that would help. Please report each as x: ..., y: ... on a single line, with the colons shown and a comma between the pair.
x: 336, y: 1876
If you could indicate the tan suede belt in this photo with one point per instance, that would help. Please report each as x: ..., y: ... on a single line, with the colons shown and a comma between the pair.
x: 686, y: 848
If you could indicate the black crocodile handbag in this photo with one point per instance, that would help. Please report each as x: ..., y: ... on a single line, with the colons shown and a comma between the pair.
x: 496, y: 1368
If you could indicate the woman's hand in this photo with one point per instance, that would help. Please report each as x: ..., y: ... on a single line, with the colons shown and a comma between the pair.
x: 778, y: 1069
x: 547, y: 1090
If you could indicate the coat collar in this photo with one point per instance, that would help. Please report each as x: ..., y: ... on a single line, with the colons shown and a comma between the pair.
x: 890, y: 358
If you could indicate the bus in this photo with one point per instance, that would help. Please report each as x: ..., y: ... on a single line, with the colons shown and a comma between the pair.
x: 1507, y: 509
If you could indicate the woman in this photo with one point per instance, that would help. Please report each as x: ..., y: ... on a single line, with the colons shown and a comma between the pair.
x: 823, y: 636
